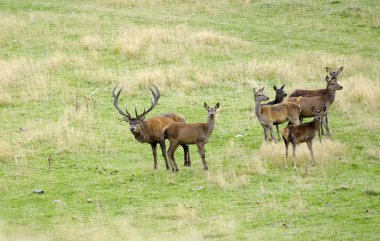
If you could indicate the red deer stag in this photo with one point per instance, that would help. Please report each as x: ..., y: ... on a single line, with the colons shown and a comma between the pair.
x: 151, y: 130
x: 274, y: 114
x: 325, y: 99
x: 304, y: 132
x: 318, y: 92
x: 280, y: 95
x: 198, y: 133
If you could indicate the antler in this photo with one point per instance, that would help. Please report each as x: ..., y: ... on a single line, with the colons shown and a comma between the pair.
x: 116, y: 104
x: 156, y: 96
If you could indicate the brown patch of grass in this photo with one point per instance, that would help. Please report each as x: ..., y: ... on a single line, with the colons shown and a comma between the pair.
x: 91, y: 42
x: 324, y: 153
x: 6, y: 151
x: 71, y: 132
x: 185, y: 213
x: 159, y: 44
x: 220, y: 227
x: 227, y: 180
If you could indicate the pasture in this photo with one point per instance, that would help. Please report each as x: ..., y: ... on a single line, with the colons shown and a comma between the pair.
x: 59, y: 130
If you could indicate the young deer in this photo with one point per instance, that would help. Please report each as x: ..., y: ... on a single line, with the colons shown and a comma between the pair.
x: 151, y: 130
x: 326, y: 99
x: 280, y: 95
x: 198, y: 133
x: 304, y: 132
x: 274, y: 114
x: 318, y: 92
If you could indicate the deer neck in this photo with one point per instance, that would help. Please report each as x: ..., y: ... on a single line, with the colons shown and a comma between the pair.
x: 210, y: 125
x: 140, y: 137
x: 278, y: 100
x: 258, y: 109
x: 317, y: 124
x: 330, y: 95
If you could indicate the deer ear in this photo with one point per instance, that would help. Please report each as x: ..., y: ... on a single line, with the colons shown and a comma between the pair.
x: 262, y: 89
x: 327, y: 78
x: 254, y: 90
x: 282, y: 87
x: 206, y: 106
x: 324, y: 108
x: 274, y: 87
x: 313, y: 109
x: 328, y: 70
x: 126, y: 119
x: 340, y: 69
x: 217, y: 105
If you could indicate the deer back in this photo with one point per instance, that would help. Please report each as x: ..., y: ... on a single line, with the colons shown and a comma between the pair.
x: 280, y: 113
x: 153, y: 128
x: 187, y: 133
x: 306, y: 104
x: 308, y: 93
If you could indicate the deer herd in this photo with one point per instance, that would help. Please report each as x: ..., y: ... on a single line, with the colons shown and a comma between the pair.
x: 300, y: 104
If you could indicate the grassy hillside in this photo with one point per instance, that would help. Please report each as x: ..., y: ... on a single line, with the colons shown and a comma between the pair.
x: 60, y: 59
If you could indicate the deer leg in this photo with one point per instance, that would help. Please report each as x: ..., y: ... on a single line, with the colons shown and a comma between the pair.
x: 294, y: 155
x: 310, y: 146
x: 278, y: 133
x: 286, y: 152
x: 201, y: 150
x: 321, y: 131
x: 154, y: 150
x: 171, y: 151
x: 186, y: 156
x: 326, y: 125
x: 271, y: 133
x: 265, y: 133
x: 163, y: 150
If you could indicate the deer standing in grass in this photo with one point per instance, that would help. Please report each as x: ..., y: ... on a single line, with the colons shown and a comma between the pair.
x: 197, y: 133
x: 326, y: 98
x: 280, y: 95
x: 151, y: 130
x: 274, y: 114
x: 319, y: 92
x: 304, y: 132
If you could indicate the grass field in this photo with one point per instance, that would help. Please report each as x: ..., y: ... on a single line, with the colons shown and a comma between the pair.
x: 60, y: 59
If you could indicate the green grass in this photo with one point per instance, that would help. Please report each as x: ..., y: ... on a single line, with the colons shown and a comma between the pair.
x: 101, y: 184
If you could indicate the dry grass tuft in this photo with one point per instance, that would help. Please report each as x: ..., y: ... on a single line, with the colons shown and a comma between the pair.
x: 6, y: 151
x: 220, y: 227
x: 185, y: 213
x: 158, y: 44
x: 71, y: 132
x: 359, y: 92
x: 324, y: 153
x: 227, y: 180
x: 91, y: 42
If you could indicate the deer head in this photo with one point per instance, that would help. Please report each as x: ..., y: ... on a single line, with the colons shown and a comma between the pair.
x: 135, y: 122
x: 318, y: 114
x: 280, y: 93
x: 211, y: 110
x: 332, y: 83
x: 259, y: 95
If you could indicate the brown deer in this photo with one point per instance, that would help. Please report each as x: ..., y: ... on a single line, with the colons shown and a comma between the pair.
x: 318, y: 92
x: 274, y: 114
x: 151, y: 130
x: 304, y: 132
x: 197, y: 133
x: 325, y: 99
x: 333, y: 77
x: 280, y: 95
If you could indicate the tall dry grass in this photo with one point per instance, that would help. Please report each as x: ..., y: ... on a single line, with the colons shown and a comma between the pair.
x: 325, y: 153
x: 6, y: 151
